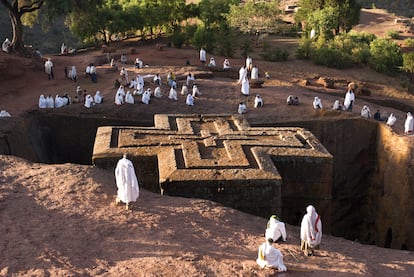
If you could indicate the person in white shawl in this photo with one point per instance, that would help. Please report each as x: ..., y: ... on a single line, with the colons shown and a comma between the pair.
x: 121, y: 90
x: 391, y: 120
x: 59, y: 101
x: 4, y: 113
x: 158, y: 92
x: 50, y: 102
x: 212, y: 62
x: 189, y: 100
x: 245, y: 88
x: 146, y: 96
x: 6, y: 45
x: 173, y: 94
x: 258, y: 101
x: 242, y: 108
x: 196, y: 91
x: 317, y: 103
x: 275, y: 229
x: 255, y: 73
x: 310, y: 231
x: 119, y: 99
x: 42, y: 102
x: 126, y: 182
x: 89, y: 101
x: 366, y: 112
x: 98, y: 99
x: 249, y: 63
x: 408, y: 125
x: 129, y: 98
x: 269, y: 256
x: 349, y: 98
x: 73, y: 75
x: 242, y: 74
x: 336, y: 105
x: 226, y: 64
x: 202, y: 55
x: 184, y: 90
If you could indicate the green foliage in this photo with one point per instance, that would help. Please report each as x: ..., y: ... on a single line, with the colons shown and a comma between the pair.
x: 305, y: 48
x: 324, y: 21
x: 246, y: 48
x: 212, y: 12
x: 274, y: 55
x: 409, y: 42
x: 393, y: 34
x: 408, y: 62
x: 178, y: 37
x: 331, y: 58
x: 226, y: 41
x: 255, y: 17
x: 386, y: 56
x: 203, y: 38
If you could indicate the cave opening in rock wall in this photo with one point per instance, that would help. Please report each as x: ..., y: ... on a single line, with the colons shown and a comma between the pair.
x: 371, y: 186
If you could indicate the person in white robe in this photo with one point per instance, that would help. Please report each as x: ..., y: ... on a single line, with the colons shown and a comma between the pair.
x: 189, y: 100
x: 4, y: 113
x: 158, y: 92
x: 6, y: 45
x: 310, y: 231
x: 49, y: 69
x: 89, y: 101
x: 79, y: 91
x: 226, y: 64
x: 212, y: 62
x: 276, y: 229
x: 173, y: 94
x: 317, y: 103
x: 292, y: 100
x: 408, y: 125
x: 139, y: 90
x: 58, y: 101
x: 123, y: 58
x: 349, y: 98
x: 63, y: 49
x: 42, y: 102
x: 98, y: 98
x: 184, y: 90
x: 336, y: 105
x: 391, y: 120
x: 249, y: 63
x: 190, y: 80
x: 202, y: 55
x: 366, y: 112
x: 245, y: 87
x: 269, y: 256
x: 119, y: 99
x: 255, y: 73
x: 242, y: 108
x: 140, y: 80
x: 129, y: 98
x: 133, y: 84
x: 157, y: 79
x: 65, y: 99
x: 138, y: 63
x: 258, y: 101
x: 88, y: 70
x: 126, y: 182
x: 242, y: 74
x: 50, y: 101
x: 121, y: 90
x: 124, y: 75
x: 73, y: 75
x: 146, y: 96
x: 196, y: 91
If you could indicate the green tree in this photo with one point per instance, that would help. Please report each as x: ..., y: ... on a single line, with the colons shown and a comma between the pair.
x: 386, y: 56
x: 255, y: 17
x: 213, y: 12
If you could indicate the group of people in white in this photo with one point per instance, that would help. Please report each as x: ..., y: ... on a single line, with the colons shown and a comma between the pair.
x: 60, y: 101
x: 310, y: 236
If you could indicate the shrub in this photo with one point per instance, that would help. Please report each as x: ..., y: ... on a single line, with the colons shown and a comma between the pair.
x: 304, y: 49
x: 276, y: 55
x: 408, y: 62
x: 331, y: 58
x: 386, y: 56
x: 409, y: 42
x: 393, y: 34
x: 203, y: 38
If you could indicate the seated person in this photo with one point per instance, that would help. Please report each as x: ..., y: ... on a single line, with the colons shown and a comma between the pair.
x: 268, y: 256
x: 292, y: 100
x: 276, y: 229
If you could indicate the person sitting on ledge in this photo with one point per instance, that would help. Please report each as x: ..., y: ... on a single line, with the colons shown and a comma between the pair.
x: 292, y: 100
x: 269, y: 256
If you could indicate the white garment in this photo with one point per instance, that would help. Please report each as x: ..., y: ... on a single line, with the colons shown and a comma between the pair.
x: 6, y: 45
x: 63, y: 48
x: 126, y: 181
x: 275, y: 230
x: 335, y: 105
x: 42, y: 102
x: 249, y: 63
x: 365, y: 112
x: 173, y: 94
x: 50, y: 102
x: 391, y: 120
x: 202, y: 55
x: 4, y: 113
x: 184, y: 90
x: 245, y: 88
x: 268, y: 256
x: 255, y: 73
x: 242, y: 108
x: 48, y: 66
x: 311, y: 227
x: 98, y: 98
x: 88, y: 101
x: 157, y: 79
x: 58, y: 101
x: 119, y: 99
x: 408, y: 125
x: 146, y: 97
x: 189, y: 81
x: 190, y: 100
x: 121, y: 90
x: 133, y: 84
x: 242, y: 74
x: 317, y: 103
x: 157, y: 92
x: 72, y: 73
x: 140, y: 81
x: 88, y: 70
x: 226, y: 64
x: 129, y: 98
x: 349, y: 98
x: 258, y: 101
x: 212, y: 62
x: 139, y: 90
x: 196, y: 91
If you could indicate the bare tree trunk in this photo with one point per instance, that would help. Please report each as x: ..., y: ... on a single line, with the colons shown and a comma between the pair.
x: 17, y: 27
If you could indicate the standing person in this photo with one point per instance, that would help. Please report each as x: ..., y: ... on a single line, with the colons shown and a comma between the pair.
x: 126, y: 182
x: 202, y: 55
x: 242, y: 108
x: 268, y: 256
x: 245, y: 88
x: 49, y: 69
x: 349, y: 97
x: 6, y: 45
x: 258, y: 101
x: 255, y: 73
x: 408, y: 125
x: 249, y: 63
x: 310, y: 231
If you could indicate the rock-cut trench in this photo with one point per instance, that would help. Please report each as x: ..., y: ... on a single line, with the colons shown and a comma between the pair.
x: 372, y: 176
